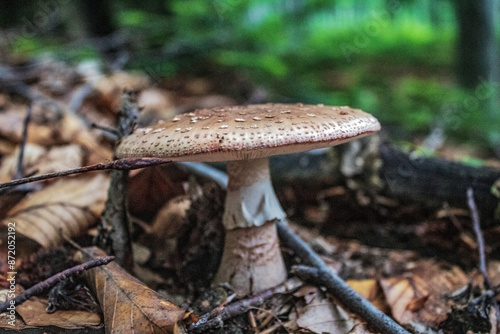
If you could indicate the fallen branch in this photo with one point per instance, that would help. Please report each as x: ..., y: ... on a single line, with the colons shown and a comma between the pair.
x: 480, y: 245
x: 51, y: 281
x: 219, y: 315
x: 337, y: 287
x: 479, y: 236
x: 114, y: 235
x: 343, y: 292
x: 119, y: 164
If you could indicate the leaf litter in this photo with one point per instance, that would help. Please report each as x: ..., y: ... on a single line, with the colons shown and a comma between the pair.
x: 400, y: 282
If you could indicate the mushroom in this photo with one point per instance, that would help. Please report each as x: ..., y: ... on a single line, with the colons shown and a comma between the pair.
x: 245, y: 136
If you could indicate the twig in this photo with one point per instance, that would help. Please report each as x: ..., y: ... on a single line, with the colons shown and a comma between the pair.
x: 114, y: 235
x: 479, y: 235
x: 79, y: 96
x: 343, y: 292
x: 51, y: 281
x: 71, y: 241
x: 20, y: 158
x: 119, y: 164
x: 337, y: 287
x: 218, y: 316
x: 110, y: 133
x: 480, y: 245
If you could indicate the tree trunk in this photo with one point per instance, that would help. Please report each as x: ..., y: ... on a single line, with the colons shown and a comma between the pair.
x: 98, y: 17
x: 477, y: 49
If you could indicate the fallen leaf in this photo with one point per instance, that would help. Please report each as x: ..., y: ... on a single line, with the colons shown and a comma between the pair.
x: 11, y: 123
x: 418, y: 296
x: 39, y: 160
x: 110, y: 89
x: 8, y: 168
x: 157, y: 104
x: 127, y: 303
x: 32, y: 314
x: 171, y: 218
x: 371, y: 290
x: 6, y: 147
x: 494, y: 272
x: 145, y: 185
x: 361, y: 329
x: 68, y: 207
x: 320, y: 315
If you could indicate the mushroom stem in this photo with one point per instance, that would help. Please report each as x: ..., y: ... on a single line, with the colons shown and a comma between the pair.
x: 251, y: 259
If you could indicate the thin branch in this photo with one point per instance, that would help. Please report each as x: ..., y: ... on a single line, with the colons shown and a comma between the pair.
x: 114, y: 235
x: 343, y: 292
x: 51, y: 281
x: 120, y: 164
x: 20, y: 158
x: 337, y: 287
x: 219, y: 315
x: 479, y: 235
x: 481, y: 249
x: 110, y: 133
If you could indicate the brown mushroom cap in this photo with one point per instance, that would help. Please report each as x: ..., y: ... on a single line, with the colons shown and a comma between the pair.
x: 248, y: 132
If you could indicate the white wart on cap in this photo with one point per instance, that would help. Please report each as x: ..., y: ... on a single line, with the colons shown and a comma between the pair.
x: 248, y: 132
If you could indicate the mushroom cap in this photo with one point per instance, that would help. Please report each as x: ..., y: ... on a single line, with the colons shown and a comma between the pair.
x: 248, y: 132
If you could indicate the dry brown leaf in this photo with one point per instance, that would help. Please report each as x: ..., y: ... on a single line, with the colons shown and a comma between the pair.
x: 6, y: 147
x: 11, y: 123
x: 157, y: 104
x: 319, y: 315
x: 145, y: 185
x: 494, y: 272
x: 76, y: 132
x: 361, y: 329
x: 370, y: 289
x: 64, y: 129
x: 171, y: 218
x: 128, y: 304
x: 110, y: 89
x: 32, y: 314
x: 69, y: 206
x: 32, y: 154
x: 417, y: 296
x: 40, y: 161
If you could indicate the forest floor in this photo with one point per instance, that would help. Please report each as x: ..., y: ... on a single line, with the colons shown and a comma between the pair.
x: 416, y: 263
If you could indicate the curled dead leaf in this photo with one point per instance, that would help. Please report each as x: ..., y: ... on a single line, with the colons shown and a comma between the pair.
x: 370, y: 289
x: 127, y: 303
x: 321, y: 315
x: 171, y: 218
x: 32, y: 314
x: 68, y: 207
x: 39, y: 160
x: 418, y: 296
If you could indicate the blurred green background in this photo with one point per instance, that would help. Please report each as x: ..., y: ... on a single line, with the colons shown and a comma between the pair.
x: 420, y: 66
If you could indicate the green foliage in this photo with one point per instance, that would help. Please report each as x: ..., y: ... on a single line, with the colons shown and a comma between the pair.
x: 392, y: 58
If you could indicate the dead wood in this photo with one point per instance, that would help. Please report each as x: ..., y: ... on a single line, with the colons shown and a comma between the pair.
x: 119, y: 164
x: 338, y: 287
x: 388, y: 171
x: 51, y: 281
x: 220, y: 314
x: 114, y: 230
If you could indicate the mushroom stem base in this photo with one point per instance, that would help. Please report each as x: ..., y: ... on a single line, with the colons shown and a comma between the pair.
x: 251, y: 260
